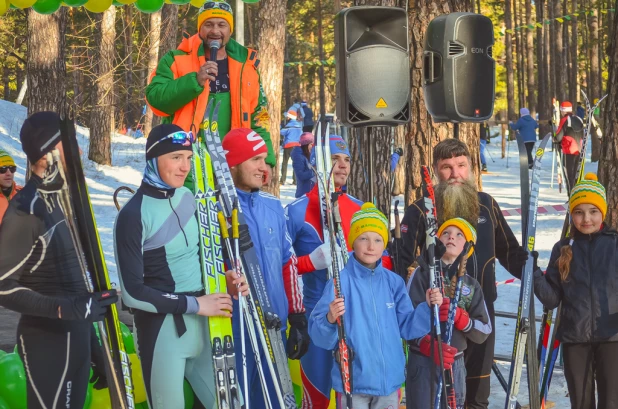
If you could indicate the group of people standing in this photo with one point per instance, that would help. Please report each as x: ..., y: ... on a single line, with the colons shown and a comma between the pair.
x: 156, y: 242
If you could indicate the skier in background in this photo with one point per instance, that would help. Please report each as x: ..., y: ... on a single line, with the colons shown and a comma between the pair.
x: 308, y: 121
x: 582, y: 274
x: 569, y: 134
x: 484, y: 137
x: 291, y: 139
x: 246, y: 157
x: 527, y: 126
x: 303, y: 170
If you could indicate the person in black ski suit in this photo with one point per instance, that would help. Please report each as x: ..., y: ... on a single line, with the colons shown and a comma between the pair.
x: 41, y: 278
x: 582, y: 274
x: 457, y: 196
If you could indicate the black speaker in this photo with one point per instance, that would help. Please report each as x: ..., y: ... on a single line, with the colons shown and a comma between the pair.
x: 459, y: 72
x: 373, y: 66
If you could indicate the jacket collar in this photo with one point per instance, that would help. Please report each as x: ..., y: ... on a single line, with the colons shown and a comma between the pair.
x: 156, y: 193
x: 233, y: 49
x: 360, y: 269
x: 605, y: 230
x: 248, y: 198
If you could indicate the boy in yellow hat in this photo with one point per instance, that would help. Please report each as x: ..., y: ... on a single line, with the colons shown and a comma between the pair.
x: 471, y: 321
x: 378, y: 314
x: 7, y: 181
x: 582, y: 274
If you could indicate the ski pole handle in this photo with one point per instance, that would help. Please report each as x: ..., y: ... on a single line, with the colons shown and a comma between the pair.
x: 225, y: 233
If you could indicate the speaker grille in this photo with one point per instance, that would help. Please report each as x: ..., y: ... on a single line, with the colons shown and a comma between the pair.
x: 490, y: 51
x: 354, y: 115
x: 455, y: 49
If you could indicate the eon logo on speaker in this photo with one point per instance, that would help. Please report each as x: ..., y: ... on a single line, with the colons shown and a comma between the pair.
x: 477, y: 50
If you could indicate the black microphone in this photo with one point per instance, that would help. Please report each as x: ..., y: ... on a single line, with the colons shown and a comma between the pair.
x: 214, y: 46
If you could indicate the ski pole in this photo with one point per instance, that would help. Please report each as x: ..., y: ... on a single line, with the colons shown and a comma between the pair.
x: 127, y: 188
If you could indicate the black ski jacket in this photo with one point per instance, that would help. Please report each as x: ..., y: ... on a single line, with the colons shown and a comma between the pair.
x: 38, y: 261
x: 495, y: 240
x: 590, y: 295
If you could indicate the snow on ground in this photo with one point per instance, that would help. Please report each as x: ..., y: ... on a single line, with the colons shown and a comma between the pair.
x: 501, y: 182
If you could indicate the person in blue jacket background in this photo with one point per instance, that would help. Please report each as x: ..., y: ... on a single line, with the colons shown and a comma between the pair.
x: 303, y: 171
x: 246, y: 155
x: 291, y: 138
x: 378, y: 314
x: 527, y: 126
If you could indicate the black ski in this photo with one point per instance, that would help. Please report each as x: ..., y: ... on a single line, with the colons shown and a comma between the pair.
x: 524, y: 320
x: 97, y: 278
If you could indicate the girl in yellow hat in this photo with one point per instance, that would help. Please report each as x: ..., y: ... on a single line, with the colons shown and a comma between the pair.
x: 583, y: 275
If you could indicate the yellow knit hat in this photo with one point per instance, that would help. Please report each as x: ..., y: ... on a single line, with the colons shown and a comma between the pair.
x: 6, y: 159
x: 218, y: 9
x: 589, y: 191
x: 368, y: 218
x: 468, y: 231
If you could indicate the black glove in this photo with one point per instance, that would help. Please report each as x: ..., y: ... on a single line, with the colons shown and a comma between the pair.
x: 535, y: 257
x: 91, y: 307
x: 298, y: 340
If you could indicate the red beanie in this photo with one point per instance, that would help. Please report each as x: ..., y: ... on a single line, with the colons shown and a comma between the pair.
x: 242, y: 144
x: 566, y: 106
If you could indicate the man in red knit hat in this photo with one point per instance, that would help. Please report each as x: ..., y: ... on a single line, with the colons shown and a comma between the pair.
x: 246, y: 156
x: 570, y: 133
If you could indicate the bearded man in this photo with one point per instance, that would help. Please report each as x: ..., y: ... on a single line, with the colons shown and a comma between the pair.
x: 457, y: 196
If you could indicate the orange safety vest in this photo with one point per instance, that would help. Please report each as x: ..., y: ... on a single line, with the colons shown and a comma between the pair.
x: 4, y: 202
x: 244, y: 87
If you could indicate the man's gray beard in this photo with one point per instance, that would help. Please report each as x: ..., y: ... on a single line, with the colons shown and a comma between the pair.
x: 457, y: 201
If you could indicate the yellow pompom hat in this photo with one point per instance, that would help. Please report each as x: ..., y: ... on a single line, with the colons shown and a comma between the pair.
x: 215, y: 9
x: 368, y: 218
x: 6, y: 159
x: 468, y: 230
x: 589, y: 191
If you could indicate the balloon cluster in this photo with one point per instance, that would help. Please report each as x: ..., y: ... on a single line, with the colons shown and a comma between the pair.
x: 13, y: 381
x: 94, y: 6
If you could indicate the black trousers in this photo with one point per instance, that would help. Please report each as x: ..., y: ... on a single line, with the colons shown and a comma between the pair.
x: 479, y: 359
x: 56, y: 357
x: 284, y: 165
x: 529, y: 147
x: 586, y: 363
x: 308, y: 128
x: 570, y: 165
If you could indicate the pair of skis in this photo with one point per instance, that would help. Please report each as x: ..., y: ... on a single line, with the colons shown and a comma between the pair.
x: 525, y: 320
x: 257, y: 308
x: 80, y: 218
x: 332, y: 233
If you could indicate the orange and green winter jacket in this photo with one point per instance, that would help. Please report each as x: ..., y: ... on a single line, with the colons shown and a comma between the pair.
x: 176, y: 96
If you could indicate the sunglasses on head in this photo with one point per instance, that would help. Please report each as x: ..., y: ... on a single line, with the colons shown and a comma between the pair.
x: 3, y: 169
x: 216, y: 5
x: 180, y: 137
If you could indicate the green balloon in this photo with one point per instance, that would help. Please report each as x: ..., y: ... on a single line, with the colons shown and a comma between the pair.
x: 3, y: 404
x: 2, y: 353
x: 149, y: 6
x: 180, y: 2
x: 46, y: 6
x: 13, y: 381
x: 127, y: 338
x: 75, y: 3
x: 189, y: 395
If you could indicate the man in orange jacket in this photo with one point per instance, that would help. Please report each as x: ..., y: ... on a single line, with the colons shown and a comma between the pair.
x: 186, y: 80
x: 7, y: 181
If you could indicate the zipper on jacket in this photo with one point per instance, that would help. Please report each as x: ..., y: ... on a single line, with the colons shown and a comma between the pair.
x: 375, y: 311
x: 242, y: 69
x: 592, y: 318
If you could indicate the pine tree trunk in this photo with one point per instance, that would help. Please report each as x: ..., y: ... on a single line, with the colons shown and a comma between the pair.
x: 270, y: 43
x: 510, y: 87
x: 550, y: 53
x: 46, y: 69
x: 519, y: 55
x: 557, y: 60
x: 595, y: 86
x: 423, y: 134
x: 608, y: 164
x: 150, y: 121
x: 169, y: 27
x: 530, y: 60
x: 102, y: 122
x: 399, y: 186
x: 543, y: 101
x: 573, y: 89
x: 128, y: 52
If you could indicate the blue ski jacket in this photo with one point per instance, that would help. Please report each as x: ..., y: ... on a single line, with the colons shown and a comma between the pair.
x: 291, y: 134
x: 273, y: 246
x: 379, y: 313
x: 526, y: 125
x: 305, y: 177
